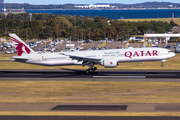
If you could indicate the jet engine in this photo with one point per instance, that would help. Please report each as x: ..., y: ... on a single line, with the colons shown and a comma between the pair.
x: 109, y: 63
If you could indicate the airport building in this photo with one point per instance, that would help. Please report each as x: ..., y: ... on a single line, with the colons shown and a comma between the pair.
x: 1, y: 5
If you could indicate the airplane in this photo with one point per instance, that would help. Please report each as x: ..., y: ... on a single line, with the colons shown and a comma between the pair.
x: 108, y: 58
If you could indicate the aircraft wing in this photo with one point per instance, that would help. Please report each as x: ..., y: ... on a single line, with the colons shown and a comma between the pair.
x: 74, y: 57
x: 85, y: 60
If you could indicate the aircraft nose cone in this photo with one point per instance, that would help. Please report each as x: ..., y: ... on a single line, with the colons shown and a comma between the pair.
x: 173, y: 54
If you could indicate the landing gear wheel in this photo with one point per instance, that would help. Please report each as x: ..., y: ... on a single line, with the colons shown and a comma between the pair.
x: 88, y: 70
x: 91, y: 70
x: 162, y: 65
x: 95, y: 68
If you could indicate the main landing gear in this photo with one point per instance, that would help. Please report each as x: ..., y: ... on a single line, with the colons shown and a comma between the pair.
x: 162, y: 65
x: 91, y: 70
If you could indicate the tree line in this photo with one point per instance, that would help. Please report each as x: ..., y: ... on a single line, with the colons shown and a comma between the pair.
x: 43, y: 26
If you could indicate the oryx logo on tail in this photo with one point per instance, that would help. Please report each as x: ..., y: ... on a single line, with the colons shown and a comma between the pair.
x: 21, y: 47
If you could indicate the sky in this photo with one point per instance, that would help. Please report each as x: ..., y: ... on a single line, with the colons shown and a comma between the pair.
x: 37, y: 2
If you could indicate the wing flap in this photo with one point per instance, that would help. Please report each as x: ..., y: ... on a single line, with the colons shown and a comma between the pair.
x: 81, y: 58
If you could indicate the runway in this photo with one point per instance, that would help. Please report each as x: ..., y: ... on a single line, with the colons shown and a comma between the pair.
x: 152, y: 107
x: 99, y: 75
x: 84, y: 118
x: 81, y: 108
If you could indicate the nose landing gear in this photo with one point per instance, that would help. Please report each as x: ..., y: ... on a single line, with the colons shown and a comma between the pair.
x: 162, y: 65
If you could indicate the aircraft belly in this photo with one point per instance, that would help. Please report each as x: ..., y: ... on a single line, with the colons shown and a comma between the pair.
x: 55, y: 63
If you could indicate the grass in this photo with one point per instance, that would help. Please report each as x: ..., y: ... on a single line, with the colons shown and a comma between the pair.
x: 6, y: 56
x: 170, y: 64
x: 89, y: 92
x: 69, y: 113
x: 176, y: 20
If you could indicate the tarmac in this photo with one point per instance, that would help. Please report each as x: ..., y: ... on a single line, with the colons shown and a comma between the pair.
x: 85, y: 118
x: 152, y: 107
x: 99, y: 75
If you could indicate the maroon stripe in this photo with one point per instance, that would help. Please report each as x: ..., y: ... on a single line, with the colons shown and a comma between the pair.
x: 15, y: 40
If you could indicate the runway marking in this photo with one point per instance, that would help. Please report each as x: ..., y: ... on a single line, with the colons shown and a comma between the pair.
x: 139, y: 77
x: 91, y: 107
x: 144, y: 74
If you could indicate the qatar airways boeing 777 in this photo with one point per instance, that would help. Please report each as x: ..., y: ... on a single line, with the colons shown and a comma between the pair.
x: 108, y: 58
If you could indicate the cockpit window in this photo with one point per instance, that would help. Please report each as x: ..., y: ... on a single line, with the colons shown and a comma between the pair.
x: 170, y: 51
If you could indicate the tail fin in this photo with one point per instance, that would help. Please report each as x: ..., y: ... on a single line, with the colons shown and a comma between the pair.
x: 21, y: 47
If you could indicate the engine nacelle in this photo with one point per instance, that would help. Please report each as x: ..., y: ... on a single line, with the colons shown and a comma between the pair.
x: 109, y: 63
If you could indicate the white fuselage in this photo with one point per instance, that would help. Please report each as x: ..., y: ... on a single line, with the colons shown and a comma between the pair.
x: 121, y: 55
x: 47, y: 59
